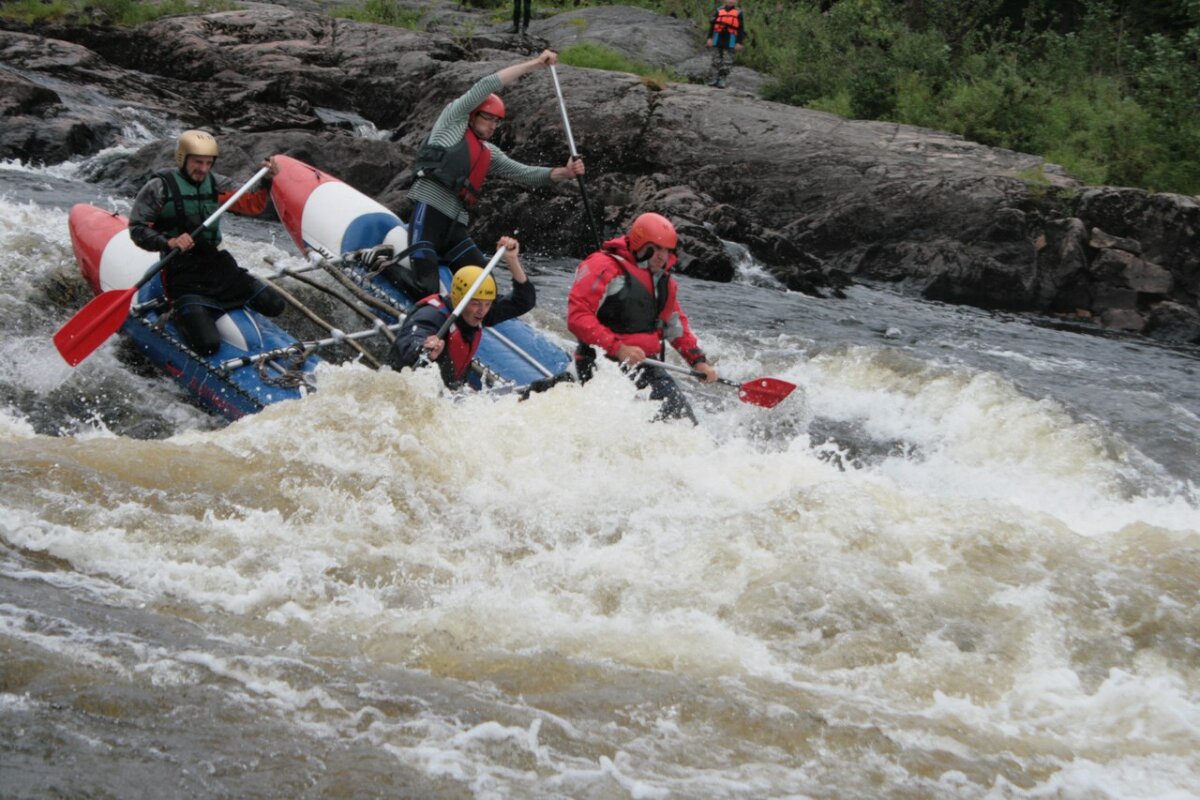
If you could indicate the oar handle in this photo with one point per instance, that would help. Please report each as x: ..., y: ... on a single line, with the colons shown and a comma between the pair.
x: 466, y: 298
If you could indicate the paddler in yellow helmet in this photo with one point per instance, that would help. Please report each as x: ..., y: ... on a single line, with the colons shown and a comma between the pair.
x: 453, y: 354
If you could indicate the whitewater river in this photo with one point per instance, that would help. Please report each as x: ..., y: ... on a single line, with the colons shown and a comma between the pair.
x: 961, y: 561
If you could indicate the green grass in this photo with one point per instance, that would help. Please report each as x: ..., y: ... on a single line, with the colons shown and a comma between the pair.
x: 597, y: 56
x: 381, y: 12
x: 117, y: 12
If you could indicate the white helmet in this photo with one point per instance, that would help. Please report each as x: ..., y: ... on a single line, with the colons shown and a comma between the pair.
x: 195, y: 143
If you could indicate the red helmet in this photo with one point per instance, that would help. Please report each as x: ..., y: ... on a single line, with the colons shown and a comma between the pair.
x: 654, y: 229
x: 492, y: 104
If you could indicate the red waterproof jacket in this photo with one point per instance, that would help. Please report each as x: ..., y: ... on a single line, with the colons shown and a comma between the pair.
x: 606, y: 311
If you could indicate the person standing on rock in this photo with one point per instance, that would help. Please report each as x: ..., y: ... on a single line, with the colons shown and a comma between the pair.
x: 203, y: 281
x: 449, y: 171
x: 624, y: 301
x: 519, y: 25
x: 725, y: 35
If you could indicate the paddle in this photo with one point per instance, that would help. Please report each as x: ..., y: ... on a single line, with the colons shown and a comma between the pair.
x: 764, y: 392
x: 562, y: 106
x: 99, y: 319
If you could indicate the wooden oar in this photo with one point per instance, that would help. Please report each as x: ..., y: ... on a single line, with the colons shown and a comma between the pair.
x: 106, y: 313
x: 764, y: 392
x: 587, y: 206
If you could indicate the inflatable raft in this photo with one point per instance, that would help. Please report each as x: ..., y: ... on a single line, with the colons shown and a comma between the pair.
x: 257, y: 363
x: 332, y: 220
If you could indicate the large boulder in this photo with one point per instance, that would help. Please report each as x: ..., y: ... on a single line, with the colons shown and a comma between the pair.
x: 813, y: 196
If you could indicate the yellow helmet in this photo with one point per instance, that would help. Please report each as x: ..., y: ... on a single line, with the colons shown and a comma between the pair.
x: 464, y: 279
x: 195, y: 143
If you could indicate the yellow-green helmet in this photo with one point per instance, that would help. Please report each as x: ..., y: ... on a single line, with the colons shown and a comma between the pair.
x: 464, y: 279
x: 195, y: 143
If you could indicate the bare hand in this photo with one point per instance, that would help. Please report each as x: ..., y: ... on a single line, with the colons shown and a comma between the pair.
x: 710, y: 374
x: 434, y: 346
x: 575, y: 166
x: 183, y: 242
x: 630, y: 354
x: 511, y: 246
x: 512, y: 252
x: 547, y: 58
x: 272, y: 166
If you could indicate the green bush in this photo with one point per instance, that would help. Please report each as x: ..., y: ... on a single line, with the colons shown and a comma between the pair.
x: 1109, y: 91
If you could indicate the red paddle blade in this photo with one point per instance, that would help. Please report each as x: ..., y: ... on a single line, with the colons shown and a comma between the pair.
x: 765, y: 392
x: 93, y: 324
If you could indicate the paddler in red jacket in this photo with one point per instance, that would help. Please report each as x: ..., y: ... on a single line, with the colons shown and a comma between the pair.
x: 624, y: 301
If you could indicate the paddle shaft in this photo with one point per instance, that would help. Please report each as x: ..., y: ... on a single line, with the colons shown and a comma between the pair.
x: 763, y: 392
x: 653, y: 362
x: 466, y: 298
x: 587, y: 206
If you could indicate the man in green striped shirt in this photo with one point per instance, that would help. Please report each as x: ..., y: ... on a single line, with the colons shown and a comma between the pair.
x: 449, y: 171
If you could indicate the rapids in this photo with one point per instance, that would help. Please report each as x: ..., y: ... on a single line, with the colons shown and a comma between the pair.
x: 960, y: 562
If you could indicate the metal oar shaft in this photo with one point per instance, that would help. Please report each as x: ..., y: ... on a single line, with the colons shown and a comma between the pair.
x: 511, y: 345
x: 242, y: 361
x: 587, y: 205
x: 562, y: 107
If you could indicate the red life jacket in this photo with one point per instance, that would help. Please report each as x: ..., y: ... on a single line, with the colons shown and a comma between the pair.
x: 728, y: 21
x: 461, y: 168
x: 481, y: 161
x: 460, y: 351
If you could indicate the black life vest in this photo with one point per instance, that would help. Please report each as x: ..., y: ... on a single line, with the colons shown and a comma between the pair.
x: 633, y: 309
x: 187, y: 206
x: 728, y: 21
x: 461, y: 168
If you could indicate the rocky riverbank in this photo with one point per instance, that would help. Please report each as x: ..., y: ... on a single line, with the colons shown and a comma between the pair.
x: 817, y: 198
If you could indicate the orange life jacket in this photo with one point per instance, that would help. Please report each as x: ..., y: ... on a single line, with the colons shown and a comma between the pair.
x: 728, y: 21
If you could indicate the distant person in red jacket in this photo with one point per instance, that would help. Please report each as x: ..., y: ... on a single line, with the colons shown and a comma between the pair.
x: 624, y: 301
x: 725, y: 35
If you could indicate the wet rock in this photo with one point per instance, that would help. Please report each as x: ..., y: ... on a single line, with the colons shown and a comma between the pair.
x: 818, y: 199
x: 1174, y: 323
x: 1102, y: 241
x: 1123, y: 319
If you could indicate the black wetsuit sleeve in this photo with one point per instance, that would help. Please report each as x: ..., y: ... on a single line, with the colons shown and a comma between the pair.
x: 410, y: 340
x: 522, y: 298
x: 146, y: 208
